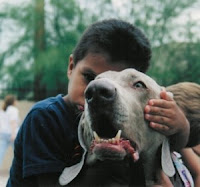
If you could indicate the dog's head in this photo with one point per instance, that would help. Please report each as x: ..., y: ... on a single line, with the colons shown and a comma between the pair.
x: 113, y: 125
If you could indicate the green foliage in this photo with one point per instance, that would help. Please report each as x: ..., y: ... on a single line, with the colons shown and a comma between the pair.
x: 52, y: 64
x: 173, y: 60
x: 20, y: 62
x: 64, y: 21
x: 176, y: 62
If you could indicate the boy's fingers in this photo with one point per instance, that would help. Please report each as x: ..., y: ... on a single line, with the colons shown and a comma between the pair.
x: 157, y: 111
x: 157, y: 119
x: 160, y: 103
x: 160, y: 128
x: 166, y: 96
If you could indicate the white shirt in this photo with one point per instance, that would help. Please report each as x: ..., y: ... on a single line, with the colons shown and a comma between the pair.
x: 4, y: 123
x: 11, y: 114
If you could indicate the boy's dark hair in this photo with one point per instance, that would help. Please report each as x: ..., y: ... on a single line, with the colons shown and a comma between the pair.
x: 118, y: 39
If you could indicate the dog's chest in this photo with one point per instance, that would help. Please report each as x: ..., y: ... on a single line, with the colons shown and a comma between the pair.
x: 109, y: 173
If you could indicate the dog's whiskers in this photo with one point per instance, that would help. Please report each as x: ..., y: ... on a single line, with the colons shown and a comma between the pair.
x: 78, y: 114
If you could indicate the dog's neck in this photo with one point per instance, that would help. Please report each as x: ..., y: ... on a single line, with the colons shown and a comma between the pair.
x: 152, y: 163
x: 114, y: 173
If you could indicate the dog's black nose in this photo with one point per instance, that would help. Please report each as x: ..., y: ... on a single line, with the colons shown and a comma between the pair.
x: 100, y: 91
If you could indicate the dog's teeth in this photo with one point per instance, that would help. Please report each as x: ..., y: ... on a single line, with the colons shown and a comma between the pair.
x: 96, y: 137
x: 113, y: 140
x: 118, y: 135
x: 135, y: 156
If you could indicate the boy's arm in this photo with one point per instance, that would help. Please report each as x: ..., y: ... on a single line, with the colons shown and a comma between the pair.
x: 192, y: 162
x: 196, y: 149
x: 166, y: 117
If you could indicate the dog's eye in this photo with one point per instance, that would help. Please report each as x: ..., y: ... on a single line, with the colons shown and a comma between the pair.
x: 89, y: 77
x: 139, y: 84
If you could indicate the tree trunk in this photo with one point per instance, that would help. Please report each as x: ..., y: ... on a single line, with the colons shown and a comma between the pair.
x: 39, y: 47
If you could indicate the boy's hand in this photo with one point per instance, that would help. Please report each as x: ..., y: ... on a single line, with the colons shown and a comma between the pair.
x: 167, y: 118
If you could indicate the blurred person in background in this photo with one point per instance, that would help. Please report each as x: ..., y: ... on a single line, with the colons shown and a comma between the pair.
x: 9, y: 124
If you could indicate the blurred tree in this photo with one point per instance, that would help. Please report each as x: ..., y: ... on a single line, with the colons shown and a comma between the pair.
x: 175, y: 46
x: 47, y: 34
x: 39, y: 47
x: 177, y: 62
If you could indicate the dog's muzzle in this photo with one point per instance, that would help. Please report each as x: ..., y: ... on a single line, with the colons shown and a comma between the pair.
x: 100, y: 97
x: 100, y: 92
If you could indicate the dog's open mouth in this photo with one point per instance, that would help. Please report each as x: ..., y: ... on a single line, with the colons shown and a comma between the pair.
x: 115, y: 148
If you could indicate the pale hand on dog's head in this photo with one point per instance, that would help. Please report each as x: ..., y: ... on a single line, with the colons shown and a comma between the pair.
x: 113, y: 125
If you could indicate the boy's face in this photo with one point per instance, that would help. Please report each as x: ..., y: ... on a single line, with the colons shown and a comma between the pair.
x: 84, y: 72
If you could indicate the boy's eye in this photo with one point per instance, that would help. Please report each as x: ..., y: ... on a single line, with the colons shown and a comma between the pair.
x: 88, y: 77
x: 139, y: 84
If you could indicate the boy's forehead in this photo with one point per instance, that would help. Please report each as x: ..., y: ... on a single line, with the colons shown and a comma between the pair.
x: 99, y: 63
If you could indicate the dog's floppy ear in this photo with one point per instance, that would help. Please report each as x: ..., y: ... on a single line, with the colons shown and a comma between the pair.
x: 166, y: 160
x: 69, y: 173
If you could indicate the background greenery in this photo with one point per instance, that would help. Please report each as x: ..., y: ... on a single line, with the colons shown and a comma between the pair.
x: 34, y: 63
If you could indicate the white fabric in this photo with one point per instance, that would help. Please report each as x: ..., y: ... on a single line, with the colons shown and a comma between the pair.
x: 11, y: 114
x: 4, y: 123
x: 182, y: 170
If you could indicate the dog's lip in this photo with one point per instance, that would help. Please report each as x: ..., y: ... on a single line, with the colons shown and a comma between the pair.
x: 130, y: 147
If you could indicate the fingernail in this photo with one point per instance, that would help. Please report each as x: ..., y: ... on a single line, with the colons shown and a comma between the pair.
x: 151, y: 102
x: 147, y: 116
x: 147, y: 109
x: 153, y: 125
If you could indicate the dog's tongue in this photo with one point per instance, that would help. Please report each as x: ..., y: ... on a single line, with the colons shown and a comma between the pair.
x: 113, y: 149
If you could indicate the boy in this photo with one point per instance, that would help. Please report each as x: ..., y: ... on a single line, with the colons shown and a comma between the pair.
x: 187, y: 96
x: 47, y: 141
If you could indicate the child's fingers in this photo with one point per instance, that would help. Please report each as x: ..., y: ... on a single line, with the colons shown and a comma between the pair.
x: 160, y: 103
x: 166, y: 101
x: 157, y: 119
x: 166, y: 96
x: 157, y: 111
x: 160, y: 128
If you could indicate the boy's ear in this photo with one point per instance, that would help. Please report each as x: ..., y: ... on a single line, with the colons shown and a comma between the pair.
x: 70, y: 66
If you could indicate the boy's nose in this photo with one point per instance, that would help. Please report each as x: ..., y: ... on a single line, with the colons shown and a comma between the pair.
x: 100, y: 91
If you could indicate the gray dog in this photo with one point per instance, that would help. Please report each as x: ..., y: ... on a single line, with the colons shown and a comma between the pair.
x: 113, y: 130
